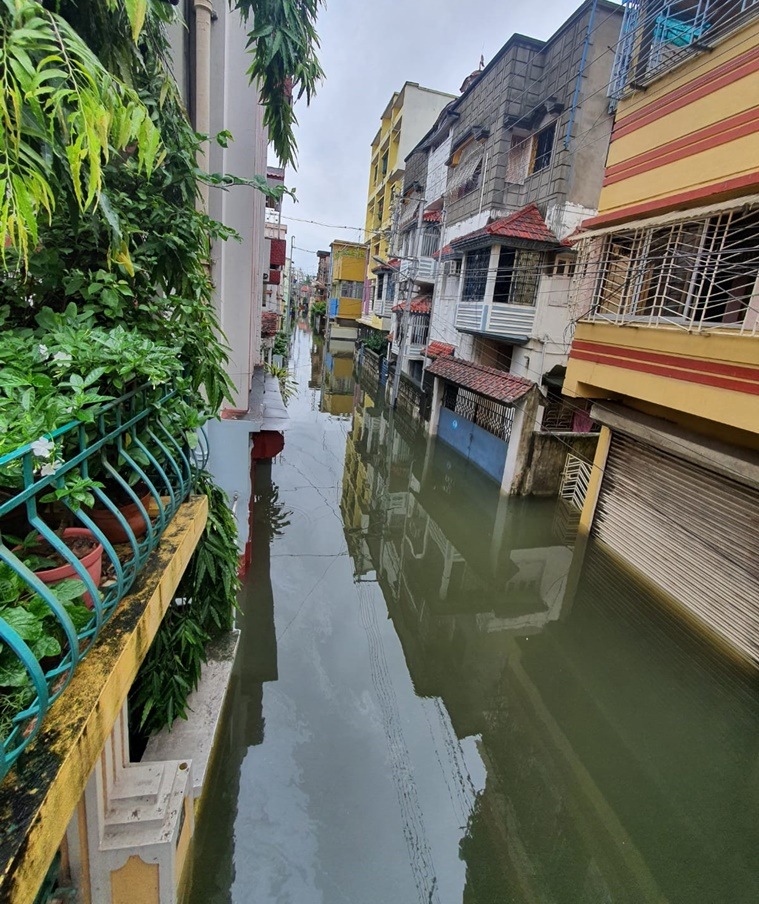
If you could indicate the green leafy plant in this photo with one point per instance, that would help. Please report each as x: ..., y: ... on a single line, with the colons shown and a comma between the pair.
x: 287, y: 384
x: 207, y: 592
x: 34, y: 621
x: 283, y: 46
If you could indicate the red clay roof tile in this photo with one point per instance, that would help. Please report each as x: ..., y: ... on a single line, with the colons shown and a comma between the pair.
x: 439, y: 349
x: 487, y: 381
x: 526, y: 225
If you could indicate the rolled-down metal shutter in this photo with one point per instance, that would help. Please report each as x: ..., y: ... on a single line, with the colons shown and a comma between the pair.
x: 692, y: 532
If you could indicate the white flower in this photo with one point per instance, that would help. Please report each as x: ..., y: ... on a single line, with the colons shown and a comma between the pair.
x: 43, y: 350
x: 50, y: 468
x: 42, y: 447
x: 62, y: 357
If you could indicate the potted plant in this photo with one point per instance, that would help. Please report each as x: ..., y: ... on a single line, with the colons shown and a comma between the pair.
x: 33, y: 620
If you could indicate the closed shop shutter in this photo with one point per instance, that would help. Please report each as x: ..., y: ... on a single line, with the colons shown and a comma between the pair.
x: 692, y: 532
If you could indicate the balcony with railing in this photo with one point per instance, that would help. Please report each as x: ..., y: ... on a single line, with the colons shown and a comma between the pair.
x: 658, y: 35
x: 419, y: 332
x: 82, y: 510
x: 504, y: 307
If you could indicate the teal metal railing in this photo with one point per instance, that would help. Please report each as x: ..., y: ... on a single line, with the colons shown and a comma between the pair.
x: 137, y: 449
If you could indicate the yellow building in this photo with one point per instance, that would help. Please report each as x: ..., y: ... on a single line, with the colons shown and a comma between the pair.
x: 348, y: 266
x: 667, y: 296
x: 408, y: 116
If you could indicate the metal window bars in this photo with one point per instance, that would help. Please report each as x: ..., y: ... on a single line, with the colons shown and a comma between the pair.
x: 695, y: 274
x: 138, y: 449
x: 495, y: 417
x: 657, y: 35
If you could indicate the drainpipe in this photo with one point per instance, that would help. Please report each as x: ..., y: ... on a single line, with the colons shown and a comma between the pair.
x: 580, y: 74
x: 204, y: 15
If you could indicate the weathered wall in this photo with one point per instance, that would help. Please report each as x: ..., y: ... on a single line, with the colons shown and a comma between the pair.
x: 547, y: 456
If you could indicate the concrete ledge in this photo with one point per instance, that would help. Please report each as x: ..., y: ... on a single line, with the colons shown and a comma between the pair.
x: 39, y: 796
x: 194, y: 738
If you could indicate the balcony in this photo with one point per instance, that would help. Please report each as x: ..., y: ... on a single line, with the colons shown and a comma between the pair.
x: 345, y: 308
x: 63, y: 583
x: 510, y: 322
x: 422, y: 270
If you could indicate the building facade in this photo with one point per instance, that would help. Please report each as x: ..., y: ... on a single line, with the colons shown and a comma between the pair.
x: 506, y: 173
x: 408, y: 115
x: 667, y: 296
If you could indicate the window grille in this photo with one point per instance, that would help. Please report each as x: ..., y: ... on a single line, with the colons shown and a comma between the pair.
x: 351, y: 289
x: 658, y: 34
x: 495, y: 417
x: 430, y: 241
x: 476, y: 274
x: 543, y: 148
x: 517, y: 276
x: 695, y: 273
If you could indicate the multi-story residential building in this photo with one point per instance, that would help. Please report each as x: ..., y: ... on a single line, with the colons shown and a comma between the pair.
x: 667, y: 292
x: 491, y: 192
x: 76, y: 804
x: 346, y: 288
x: 408, y: 115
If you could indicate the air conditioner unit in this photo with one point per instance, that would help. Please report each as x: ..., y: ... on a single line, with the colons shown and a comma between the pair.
x: 452, y: 268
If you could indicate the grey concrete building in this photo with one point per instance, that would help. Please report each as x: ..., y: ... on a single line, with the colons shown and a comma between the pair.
x: 508, y: 171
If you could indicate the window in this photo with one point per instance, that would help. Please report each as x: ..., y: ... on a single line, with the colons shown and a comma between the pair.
x: 351, y: 289
x: 699, y: 271
x: 476, y: 274
x: 563, y: 265
x: 542, y: 149
x: 384, y: 163
x: 518, y: 164
x: 380, y: 210
x: 516, y: 280
x: 430, y: 241
x: 465, y: 176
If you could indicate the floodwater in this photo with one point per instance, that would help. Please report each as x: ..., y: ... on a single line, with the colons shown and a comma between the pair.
x: 440, y: 696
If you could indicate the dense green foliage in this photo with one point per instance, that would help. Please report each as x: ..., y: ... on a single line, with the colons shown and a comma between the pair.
x: 106, y: 256
x: 171, y: 670
x: 375, y: 342
x: 284, y: 63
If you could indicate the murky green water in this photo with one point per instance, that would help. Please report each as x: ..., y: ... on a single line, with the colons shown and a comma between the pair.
x: 440, y: 698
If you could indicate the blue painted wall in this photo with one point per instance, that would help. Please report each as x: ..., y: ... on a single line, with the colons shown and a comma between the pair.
x: 475, y: 444
x: 333, y: 305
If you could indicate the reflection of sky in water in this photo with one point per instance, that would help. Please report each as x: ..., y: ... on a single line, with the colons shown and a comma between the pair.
x: 457, y: 713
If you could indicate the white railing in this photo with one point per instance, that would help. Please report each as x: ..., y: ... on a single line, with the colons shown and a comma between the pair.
x: 421, y: 270
x: 694, y: 275
x: 575, y: 481
x: 512, y: 321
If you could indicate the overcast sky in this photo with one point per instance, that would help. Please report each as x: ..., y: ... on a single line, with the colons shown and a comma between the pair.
x: 369, y: 49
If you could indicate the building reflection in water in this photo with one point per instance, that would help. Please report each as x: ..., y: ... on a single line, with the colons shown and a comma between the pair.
x: 337, y: 376
x: 620, y: 751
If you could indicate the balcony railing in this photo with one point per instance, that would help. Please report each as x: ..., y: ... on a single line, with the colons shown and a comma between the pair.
x: 504, y: 321
x: 695, y: 275
x: 138, y: 466
x: 421, y: 270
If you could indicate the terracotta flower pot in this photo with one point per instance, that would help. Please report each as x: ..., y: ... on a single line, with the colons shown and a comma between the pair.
x: 92, y: 561
x: 110, y: 525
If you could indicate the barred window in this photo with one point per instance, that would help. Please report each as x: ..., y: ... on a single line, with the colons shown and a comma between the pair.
x: 351, y: 289
x: 698, y: 271
x: 476, y: 274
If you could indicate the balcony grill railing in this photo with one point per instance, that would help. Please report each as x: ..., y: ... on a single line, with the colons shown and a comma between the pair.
x: 495, y: 417
x: 141, y: 453
x: 696, y: 275
x: 659, y: 34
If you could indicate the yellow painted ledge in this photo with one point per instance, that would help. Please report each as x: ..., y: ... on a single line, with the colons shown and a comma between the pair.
x: 39, y: 796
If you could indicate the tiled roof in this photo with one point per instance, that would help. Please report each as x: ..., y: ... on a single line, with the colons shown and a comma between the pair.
x: 525, y: 225
x: 487, y: 381
x: 439, y: 349
x: 433, y: 216
x: 269, y: 324
x: 447, y: 251
x: 422, y: 304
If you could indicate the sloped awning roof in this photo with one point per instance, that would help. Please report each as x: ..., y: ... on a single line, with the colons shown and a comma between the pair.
x: 439, y: 349
x: 487, y: 381
x: 524, y: 227
x: 422, y: 304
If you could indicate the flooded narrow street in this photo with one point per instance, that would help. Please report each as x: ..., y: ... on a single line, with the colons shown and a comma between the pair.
x: 440, y: 697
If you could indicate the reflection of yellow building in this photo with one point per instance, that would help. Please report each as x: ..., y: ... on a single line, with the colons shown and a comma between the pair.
x: 667, y: 286
x: 409, y: 115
